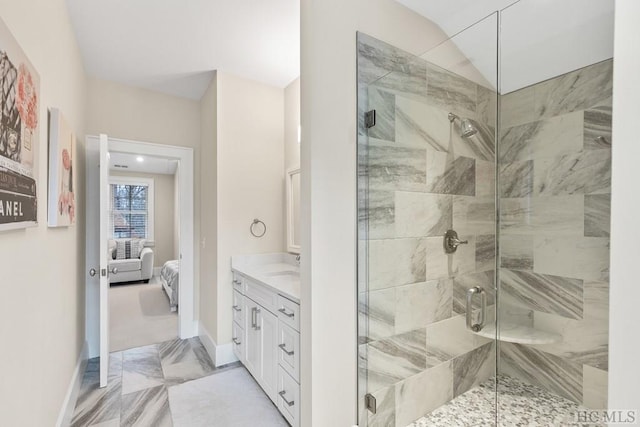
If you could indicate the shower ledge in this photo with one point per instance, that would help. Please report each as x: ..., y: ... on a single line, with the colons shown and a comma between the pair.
x: 520, y: 334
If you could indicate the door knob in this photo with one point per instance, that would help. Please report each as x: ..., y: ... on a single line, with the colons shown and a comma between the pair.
x: 114, y: 270
x: 92, y: 272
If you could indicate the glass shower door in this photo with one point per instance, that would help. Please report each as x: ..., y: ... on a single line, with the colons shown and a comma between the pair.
x: 427, y: 231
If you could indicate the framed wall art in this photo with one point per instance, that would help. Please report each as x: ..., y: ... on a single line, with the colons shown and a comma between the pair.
x: 62, y: 155
x: 19, y: 133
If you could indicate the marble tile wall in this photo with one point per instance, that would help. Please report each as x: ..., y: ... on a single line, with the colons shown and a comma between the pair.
x: 555, y: 184
x: 418, y: 178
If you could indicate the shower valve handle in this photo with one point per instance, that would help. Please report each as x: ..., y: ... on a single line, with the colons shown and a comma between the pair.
x: 451, y: 241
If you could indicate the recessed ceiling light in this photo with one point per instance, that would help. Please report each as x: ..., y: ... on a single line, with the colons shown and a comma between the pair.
x: 140, y: 159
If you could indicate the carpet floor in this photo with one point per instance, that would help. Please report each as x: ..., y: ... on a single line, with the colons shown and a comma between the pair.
x: 139, y: 315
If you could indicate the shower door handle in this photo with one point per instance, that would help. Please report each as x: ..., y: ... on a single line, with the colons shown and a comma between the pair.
x: 483, y: 308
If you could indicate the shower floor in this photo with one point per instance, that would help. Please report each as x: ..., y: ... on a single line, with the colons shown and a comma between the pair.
x: 519, y: 404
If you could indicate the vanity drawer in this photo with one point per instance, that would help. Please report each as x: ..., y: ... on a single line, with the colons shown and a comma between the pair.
x: 288, y: 397
x: 238, y: 308
x: 289, y: 350
x: 238, y: 341
x: 262, y: 295
x: 238, y: 282
x: 289, y: 312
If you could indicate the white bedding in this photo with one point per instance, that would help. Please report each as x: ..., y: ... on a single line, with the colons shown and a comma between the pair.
x: 170, y: 278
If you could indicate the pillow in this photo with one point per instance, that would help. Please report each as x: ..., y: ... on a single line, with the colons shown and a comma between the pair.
x: 128, y: 249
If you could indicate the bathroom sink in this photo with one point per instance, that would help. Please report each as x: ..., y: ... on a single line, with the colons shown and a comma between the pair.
x: 283, y: 273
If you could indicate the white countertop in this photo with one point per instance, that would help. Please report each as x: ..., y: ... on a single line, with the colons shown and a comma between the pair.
x: 277, y: 271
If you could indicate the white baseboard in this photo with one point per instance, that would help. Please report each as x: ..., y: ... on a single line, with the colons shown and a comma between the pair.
x: 156, y: 271
x: 220, y: 354
x: 68, y: 405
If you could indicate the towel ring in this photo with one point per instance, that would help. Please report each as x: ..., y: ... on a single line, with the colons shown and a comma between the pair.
x: 253, y: 224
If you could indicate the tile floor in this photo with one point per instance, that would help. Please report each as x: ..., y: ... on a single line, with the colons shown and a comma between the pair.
x: 519, y: 404
x: 139, y: 381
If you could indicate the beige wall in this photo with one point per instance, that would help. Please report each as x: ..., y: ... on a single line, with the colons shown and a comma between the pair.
x: 208, y: 210
x: 328, y: 162
x: 43, y: 278
x: 250, y: 182
x: 291, y: 122
x: 142, y: 115
x: 163, y: 214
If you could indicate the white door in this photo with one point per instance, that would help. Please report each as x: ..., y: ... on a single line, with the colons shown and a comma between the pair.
x: 97, y: 197
x: 103, y: 250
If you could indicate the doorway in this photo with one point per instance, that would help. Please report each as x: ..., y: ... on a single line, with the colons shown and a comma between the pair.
x: 97, y: 318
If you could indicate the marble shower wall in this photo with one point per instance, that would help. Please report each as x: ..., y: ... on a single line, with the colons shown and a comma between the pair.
x: 555, y: 184
x: 418, y: 179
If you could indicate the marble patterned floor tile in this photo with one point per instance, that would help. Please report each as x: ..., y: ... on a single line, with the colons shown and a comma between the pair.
x: 141, y: 368
x: 389, y: 67
x: 588, y: 172
x: 474, y: 215
x: 148, y: 407
x: 597, y: 215
x: 518, y: 404
x: 421, y: 304
x: 184, y: 360
x: 462, y: 283
x: 384, y: 103
x: 395, y: 262
x: 542, y: 139
x: 422, y: 214
x: 546, y: 293
x: 422, y: 393
x: 473, y: 368
x: 577, y: 90
x: 451, y: 91
x: 449, y: 339
x: 516, y: 252
x: 516, y: 179
x: 96, y: 405
x: 485, y: 252
x: 449, y: 175
x: 597, y: 128
x: 541, y: 369
x: 396, y: 168
x: 579, y: 257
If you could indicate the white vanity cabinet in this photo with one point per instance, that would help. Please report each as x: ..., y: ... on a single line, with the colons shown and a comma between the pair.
x: 266, y: 339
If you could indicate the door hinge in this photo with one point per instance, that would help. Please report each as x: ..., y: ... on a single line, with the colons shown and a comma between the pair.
x: 370, y: 119
x: 370, y: 403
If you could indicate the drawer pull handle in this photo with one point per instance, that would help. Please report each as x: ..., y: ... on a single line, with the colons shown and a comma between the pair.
x: 284, y: 311
x: 236, y: 308
x: 236, y: 341
x: 283, y: 347
x: 282, y: 393
x: 237, y: 282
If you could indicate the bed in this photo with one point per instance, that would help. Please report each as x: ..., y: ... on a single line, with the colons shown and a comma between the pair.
x: 170, y: 277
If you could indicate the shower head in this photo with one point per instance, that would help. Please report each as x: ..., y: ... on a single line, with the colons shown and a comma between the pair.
x: 467, y: 127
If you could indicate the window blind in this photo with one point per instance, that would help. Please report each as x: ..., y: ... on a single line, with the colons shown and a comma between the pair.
x: 129, y: 214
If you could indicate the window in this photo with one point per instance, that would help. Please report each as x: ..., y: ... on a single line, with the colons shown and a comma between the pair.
x: 131, y: 214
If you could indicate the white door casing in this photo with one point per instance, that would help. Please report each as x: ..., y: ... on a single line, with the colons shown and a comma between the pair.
x: 104, y: 260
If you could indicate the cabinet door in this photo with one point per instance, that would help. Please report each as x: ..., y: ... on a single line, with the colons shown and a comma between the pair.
x: 268, y: 328
x: 253, y: 342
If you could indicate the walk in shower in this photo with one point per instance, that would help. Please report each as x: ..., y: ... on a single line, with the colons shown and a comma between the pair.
x: 484, y: 172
